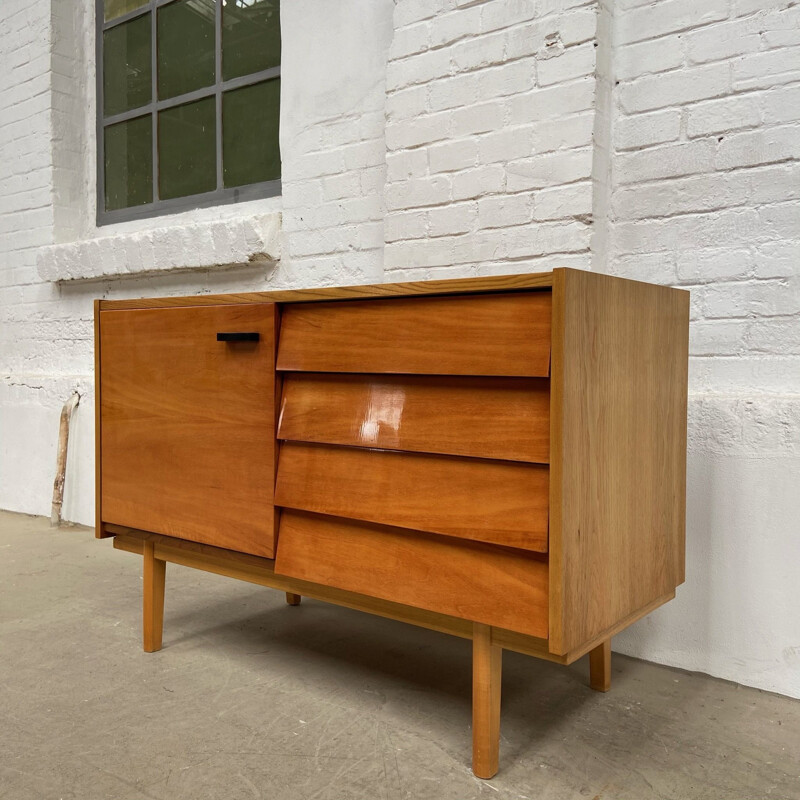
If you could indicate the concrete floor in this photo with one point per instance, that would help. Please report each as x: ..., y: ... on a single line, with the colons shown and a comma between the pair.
x: 251, y: 698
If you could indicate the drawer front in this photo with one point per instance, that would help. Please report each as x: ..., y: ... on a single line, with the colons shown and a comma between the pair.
x: 187, y: 424
x: 489, y: 501
x: 503, y: 334
x: 501, y: 418
x: 471, y: 581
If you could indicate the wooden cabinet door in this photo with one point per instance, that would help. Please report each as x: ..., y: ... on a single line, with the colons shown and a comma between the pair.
x: 188, y: 423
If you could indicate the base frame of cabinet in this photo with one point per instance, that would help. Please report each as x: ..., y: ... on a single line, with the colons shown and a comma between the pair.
x: 488, y: 641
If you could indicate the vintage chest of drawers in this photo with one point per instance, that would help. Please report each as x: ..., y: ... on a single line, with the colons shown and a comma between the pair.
x: 501, y: 459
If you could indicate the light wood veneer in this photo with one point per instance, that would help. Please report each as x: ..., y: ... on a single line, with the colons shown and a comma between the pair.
x: 493, y: 334
x: 618, y: 457
x: 501, y: 459
x: 187, y: 424
x: 489, y: 501
x: 464, y: 580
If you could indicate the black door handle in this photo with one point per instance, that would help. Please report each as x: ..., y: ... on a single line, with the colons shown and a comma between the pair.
x: 238, y: 337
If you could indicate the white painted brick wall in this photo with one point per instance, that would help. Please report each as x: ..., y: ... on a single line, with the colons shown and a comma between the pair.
x: 29, y: 328
x: 707, y: 167
x: 486, y: 108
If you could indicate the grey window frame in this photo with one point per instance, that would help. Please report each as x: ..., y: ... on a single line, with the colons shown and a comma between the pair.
x: 158, y: 207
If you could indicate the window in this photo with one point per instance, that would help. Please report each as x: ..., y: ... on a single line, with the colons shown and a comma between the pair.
x: 188, y: 103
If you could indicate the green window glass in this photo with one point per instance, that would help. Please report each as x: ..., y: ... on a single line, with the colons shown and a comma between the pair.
x: 250, y: 150
x: 185, y: 47
x: 128, y: 150
x: 117, y: 8
x: 127, y: 79
x: 187, y: 149
x: 251, y: 37
x: 190, y: 107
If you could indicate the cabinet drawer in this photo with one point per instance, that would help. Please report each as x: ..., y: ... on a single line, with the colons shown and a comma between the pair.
x: 187, y: 424
x: 489, y: 501
x: 500, y: 334
x: 472, y: 581
x: 506, y: 418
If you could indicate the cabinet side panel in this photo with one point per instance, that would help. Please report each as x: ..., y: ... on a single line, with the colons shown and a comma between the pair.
x: 619, y: 464
x: 98, y: 491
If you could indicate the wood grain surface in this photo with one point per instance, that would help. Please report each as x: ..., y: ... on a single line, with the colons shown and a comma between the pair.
x: 476, y: 582
x: 618, y: 451
x: 261, y: 571
x: 154, y: 572
x: 487, y: 678
x: 98, y: 450
x: 494, y: 334
x: 491, y: 283
x: 490, y: 501
x: 600, y: 667
x: 504, y: 418
x: 188, y: 424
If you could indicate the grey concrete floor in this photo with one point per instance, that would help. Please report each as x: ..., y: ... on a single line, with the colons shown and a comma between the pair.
x: 251, y: 698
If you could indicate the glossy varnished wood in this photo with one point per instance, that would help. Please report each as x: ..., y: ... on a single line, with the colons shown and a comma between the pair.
x: 490, y: 501
x: 618, y: 451
x: 476, y: 582
x: 487, y: 673
x: 504, y: 418
x: 188, y: 424
x: 492, y: 283
x: 494, y: 334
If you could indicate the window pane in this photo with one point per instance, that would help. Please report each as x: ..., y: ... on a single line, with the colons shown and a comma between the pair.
x: 251, y: 36
x: 126, y: 66
x: 187, y: 149
x: 128, y: 158
x: 116, y: 8
x: 250, y: 149
x: 185, y: 47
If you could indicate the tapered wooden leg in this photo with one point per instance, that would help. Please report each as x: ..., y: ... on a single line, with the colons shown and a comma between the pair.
x: 487, y: 668
x: 600, y: 667
x: 293, y: 599
x: 153, y: 606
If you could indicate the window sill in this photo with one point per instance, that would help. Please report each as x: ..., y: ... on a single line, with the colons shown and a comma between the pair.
x: 194, y: 245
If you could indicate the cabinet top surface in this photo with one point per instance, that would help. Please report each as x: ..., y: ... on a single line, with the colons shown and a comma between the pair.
x: 493, y: 283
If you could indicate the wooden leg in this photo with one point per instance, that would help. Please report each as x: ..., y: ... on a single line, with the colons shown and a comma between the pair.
x: 487, y: 668
x: 293, y: 599
x: 153, y: 606
x: 600, y: 667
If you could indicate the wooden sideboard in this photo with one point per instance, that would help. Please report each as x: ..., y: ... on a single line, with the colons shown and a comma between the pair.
x: 502, y: 459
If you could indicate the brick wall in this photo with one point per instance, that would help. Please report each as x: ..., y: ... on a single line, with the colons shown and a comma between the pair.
x: 706, y: 177
x: 333, y: 143
x: 31, y: 324
x: 489, y: 118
